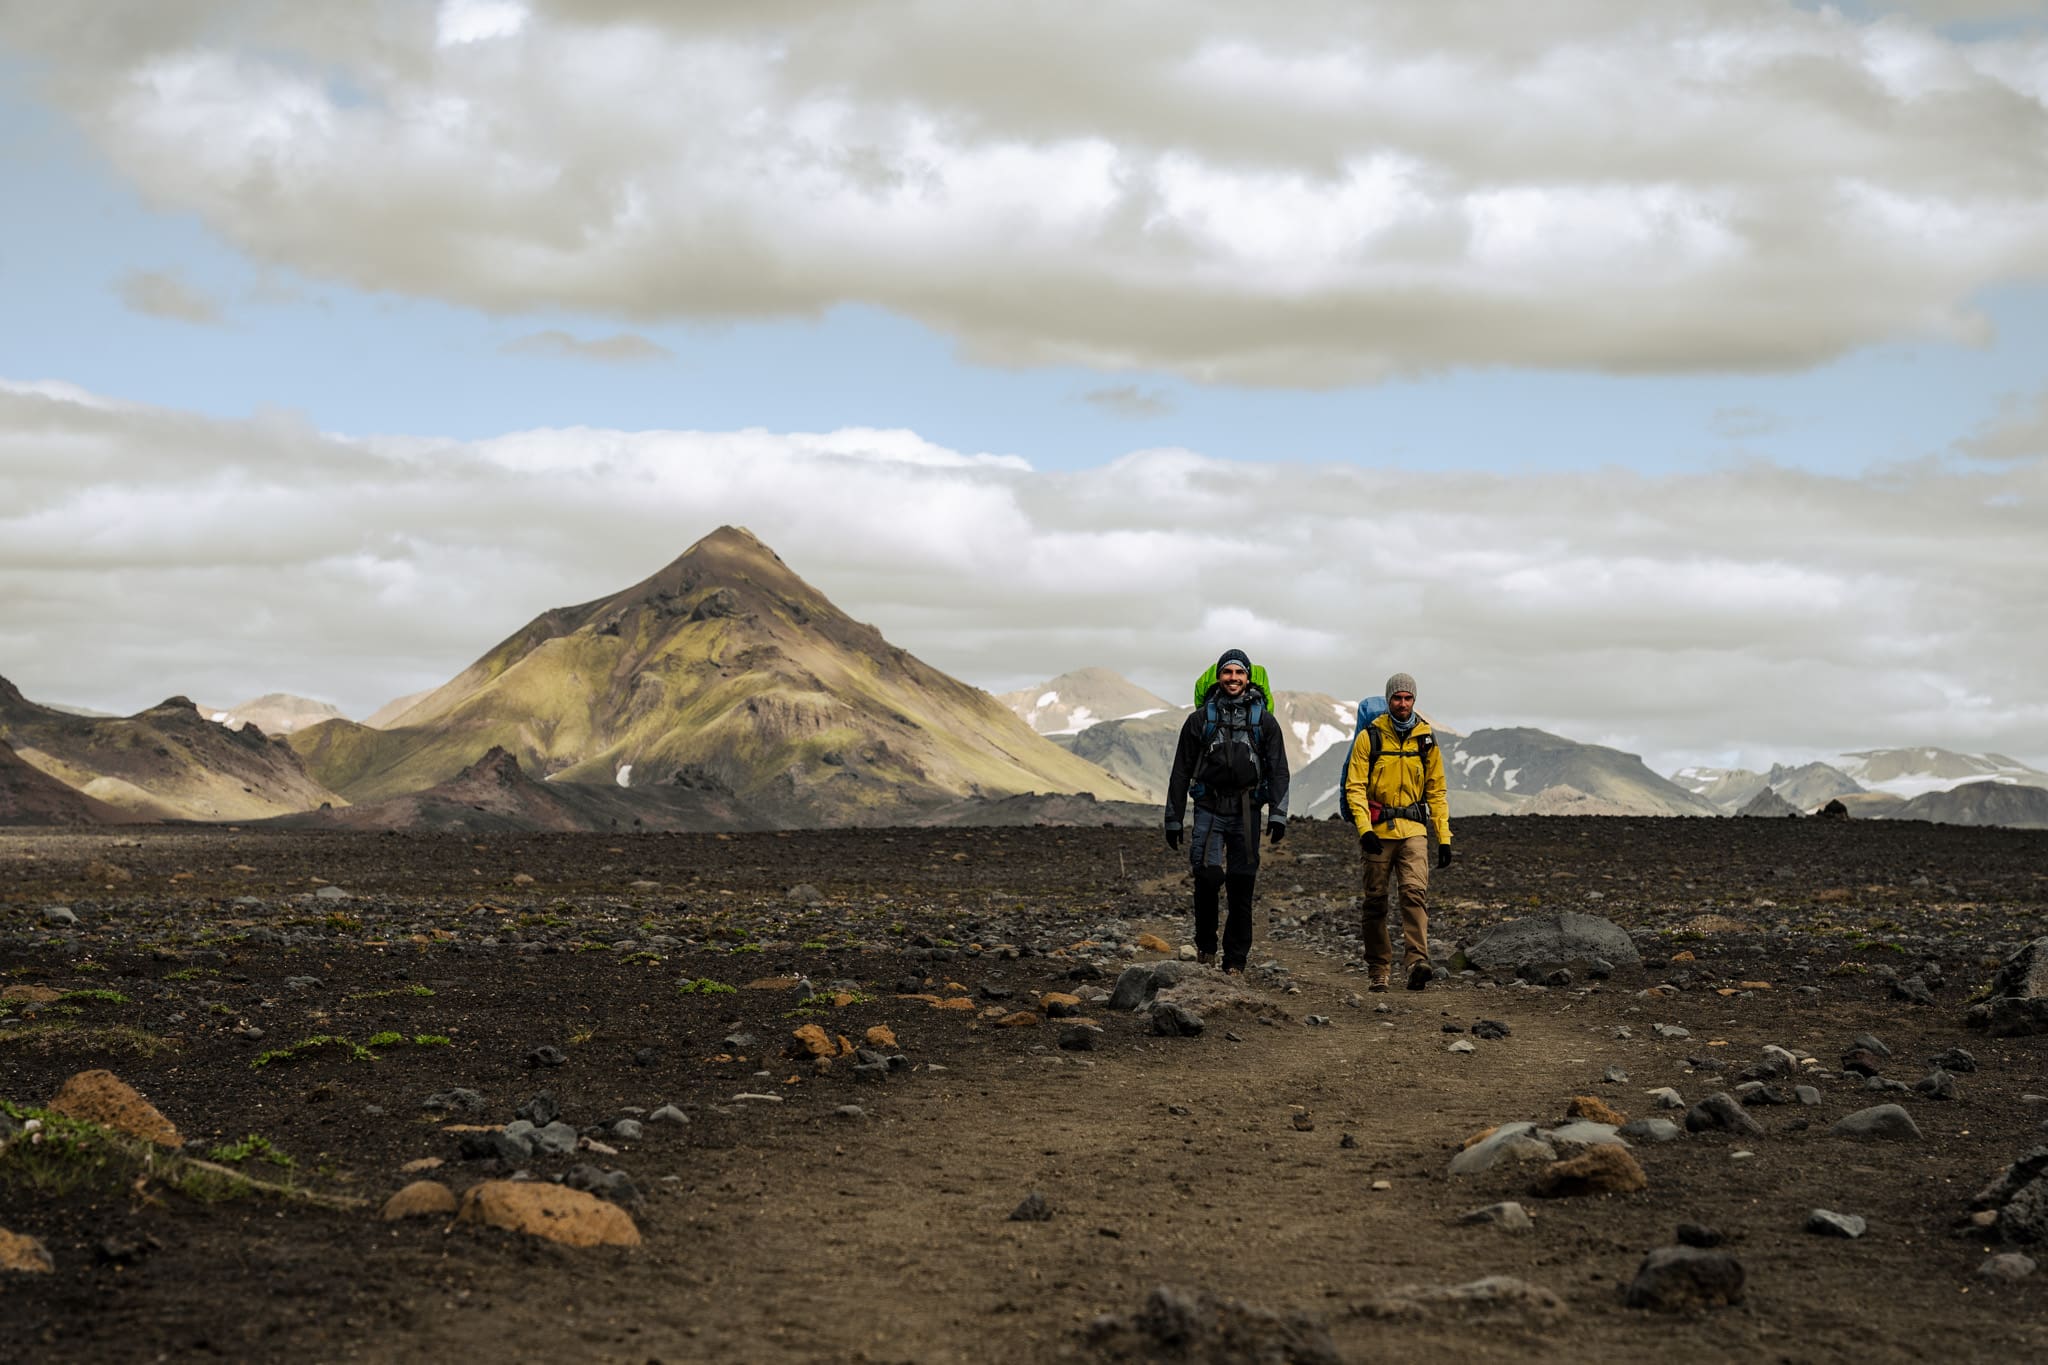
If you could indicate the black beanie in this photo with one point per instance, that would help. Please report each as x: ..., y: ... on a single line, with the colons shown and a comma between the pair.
x: 1236, y: 655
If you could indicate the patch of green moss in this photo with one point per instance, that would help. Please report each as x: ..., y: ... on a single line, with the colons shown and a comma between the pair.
x: 704, y: 985
x: 106, y: 997
x: 307, y: 1046
x: 252, y: 1145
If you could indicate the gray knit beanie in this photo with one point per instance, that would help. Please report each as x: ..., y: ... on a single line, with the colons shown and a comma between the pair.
x: 1400, y: 682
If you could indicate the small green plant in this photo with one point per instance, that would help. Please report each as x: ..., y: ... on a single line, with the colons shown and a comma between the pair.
x: 386, y: 1039
x: 306, y: 1046
x: 254, y: 1144
x: 88, y: 966
x: 341, y: 921
x: 704, y: 985
x: 432, y: 1040
x: 96, y: 993
x: 421, y: 991
x: 815, y: 945
x: 744, y: 948
x: 188, y: 974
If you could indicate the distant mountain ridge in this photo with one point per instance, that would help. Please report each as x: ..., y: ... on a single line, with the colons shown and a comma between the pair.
x: 164, y: 763
x: 275, y: 713
x: 2010, y: 804
x: 1072, y: 702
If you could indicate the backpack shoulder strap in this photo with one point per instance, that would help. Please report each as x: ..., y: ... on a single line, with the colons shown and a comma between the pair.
x: 1257, y: 716
x: 1209, y: 722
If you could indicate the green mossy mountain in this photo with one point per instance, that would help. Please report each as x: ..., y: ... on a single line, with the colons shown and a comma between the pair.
x: 724, y: 673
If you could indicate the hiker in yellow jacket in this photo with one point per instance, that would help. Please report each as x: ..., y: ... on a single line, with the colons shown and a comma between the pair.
x: 1395, y: 789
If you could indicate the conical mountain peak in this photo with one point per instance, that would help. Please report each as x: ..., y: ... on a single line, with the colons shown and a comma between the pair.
x: 723, y: 670
x: 732, y: 566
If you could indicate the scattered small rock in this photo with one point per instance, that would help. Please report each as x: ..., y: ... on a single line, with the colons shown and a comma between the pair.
x: 1033, y: 1209
x: 1936, y: 1085
x: 420, y: 1199
x: 1594, y: 1108
x: 1508, y: 1216
x: 1492, y: 1294
x: 1684, y: 1278
x: 555, y: 1212
x: 1722, y: 1112
x: 1699, y: 1235
x: 1188, y: 1325
x: 23, y: 1254
x: 1828, y: 1223
x: 1884, y: 1122
x: 547, y: 1054
x: 1650, y: 1130
x: 102, y: 1097
x: 1605, y: 1169
x: 2008, y: 1266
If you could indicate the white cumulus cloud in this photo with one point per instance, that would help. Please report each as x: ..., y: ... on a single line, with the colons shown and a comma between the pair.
x: 1306, y: 193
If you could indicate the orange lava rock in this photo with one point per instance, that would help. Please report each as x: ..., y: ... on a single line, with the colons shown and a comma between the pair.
x: 1060, y: 1005
x: 772, y: 983
x: 812, y: 1041
x: 421, y: 1199
x: 23, y: 1254
x: 556, y: 1212
x: 845, y: 1046
x: 956, y: 1002
x: 1683, y: 955
x: 1152, y: 943
x: 1752, y: 985
x: 881, y: 1035
x: 1021, y: 1019
x: 928, y: 999
x: 102, y: 1097
x: 1478, y: 1137
x: 1594, y: 1108
x: 843, y: 999
x: 1605, y: 1169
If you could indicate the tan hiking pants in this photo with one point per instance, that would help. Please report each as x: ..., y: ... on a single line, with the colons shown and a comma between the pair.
x: 1410, y: 859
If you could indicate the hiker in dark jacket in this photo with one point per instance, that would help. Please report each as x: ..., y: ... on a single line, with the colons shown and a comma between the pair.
x: 1233, y: 761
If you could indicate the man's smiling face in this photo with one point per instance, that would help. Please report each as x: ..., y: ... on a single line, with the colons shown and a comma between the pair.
x: 1235, y: 677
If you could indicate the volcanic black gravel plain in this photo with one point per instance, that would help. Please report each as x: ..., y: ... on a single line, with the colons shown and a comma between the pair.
x: 293, y: 1001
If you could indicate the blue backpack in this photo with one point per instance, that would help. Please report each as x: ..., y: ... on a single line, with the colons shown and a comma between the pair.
x: 1370, y: 709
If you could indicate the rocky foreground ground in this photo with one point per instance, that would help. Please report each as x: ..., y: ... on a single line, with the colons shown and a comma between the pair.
x: 951, y: 1095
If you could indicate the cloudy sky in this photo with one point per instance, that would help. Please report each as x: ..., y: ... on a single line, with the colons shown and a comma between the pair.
x: 1669, y: 376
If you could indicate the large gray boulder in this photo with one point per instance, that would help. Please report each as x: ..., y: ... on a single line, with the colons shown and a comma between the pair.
x: 1550, y: 941
x: 2024, y: 975
x: 2018, y: 1006
x: 1137, y: 984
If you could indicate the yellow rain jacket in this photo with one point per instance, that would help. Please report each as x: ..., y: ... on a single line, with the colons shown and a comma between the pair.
x: 1410, y: 772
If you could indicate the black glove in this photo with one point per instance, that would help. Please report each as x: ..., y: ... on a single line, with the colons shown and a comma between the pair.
x: 1173, y: 836
x: 1369, y: 844
x: 1276, y: 830
x: 1443, y: 855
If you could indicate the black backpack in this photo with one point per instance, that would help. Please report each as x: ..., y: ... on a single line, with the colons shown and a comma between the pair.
x: 1229, y: 757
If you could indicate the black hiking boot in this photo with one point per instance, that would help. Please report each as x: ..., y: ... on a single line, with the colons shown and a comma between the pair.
x: 1420, y: 973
